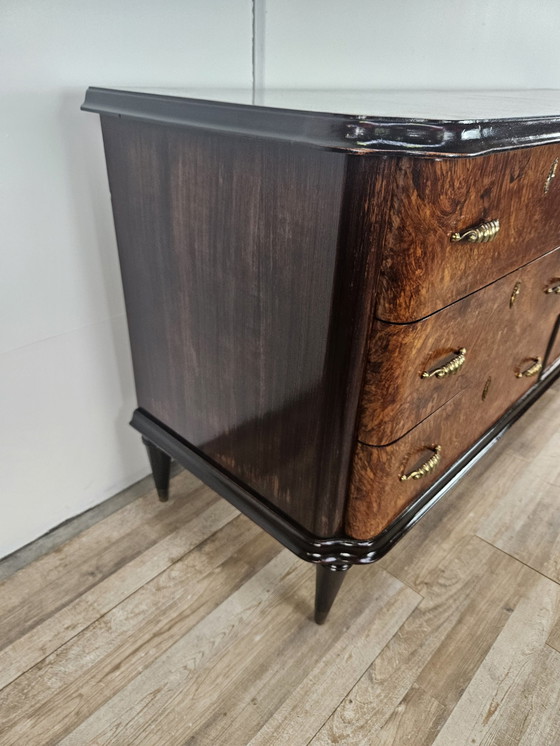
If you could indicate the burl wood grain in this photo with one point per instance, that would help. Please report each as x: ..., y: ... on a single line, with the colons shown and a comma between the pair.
x: 422, y: 270
x: 234, y: 252
x: 509, y: 339
x: 497, y: 326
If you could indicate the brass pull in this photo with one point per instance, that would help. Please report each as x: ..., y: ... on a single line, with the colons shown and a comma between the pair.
x: 479, y: 234
x: 532, y: 370
x: 449, y: 368
x: 514, y: 293
x: 553, y: 289
x: 426, y: 467
x: 551, y: 175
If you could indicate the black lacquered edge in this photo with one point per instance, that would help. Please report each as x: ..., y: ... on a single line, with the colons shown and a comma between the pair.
x: 422, y: 137
x: 332, y: 550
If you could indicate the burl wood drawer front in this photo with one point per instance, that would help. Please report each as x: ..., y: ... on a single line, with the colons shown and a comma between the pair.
x: 422, y: 269
x: 383, y: 480
x: 513, y: 341
x: 377, y: 491
x: 414, y: 368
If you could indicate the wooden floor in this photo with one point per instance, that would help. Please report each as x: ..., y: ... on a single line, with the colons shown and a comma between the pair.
x: 183, y: 623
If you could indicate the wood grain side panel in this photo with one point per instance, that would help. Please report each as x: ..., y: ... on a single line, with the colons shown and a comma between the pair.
x: 422, y: 270
x: 228, y: 250
x: 499, y: 326
x: 247, y: 268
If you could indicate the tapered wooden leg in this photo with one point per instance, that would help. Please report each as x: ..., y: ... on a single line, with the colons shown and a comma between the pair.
x: 160, y: 463
x: 328, y: 580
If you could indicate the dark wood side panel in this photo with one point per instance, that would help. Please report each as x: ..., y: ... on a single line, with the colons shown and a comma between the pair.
x: 422, y: 269
x: 245, y: 265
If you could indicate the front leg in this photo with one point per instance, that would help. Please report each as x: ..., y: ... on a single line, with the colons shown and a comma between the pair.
x: 328, y: 580
x: 161, y: 464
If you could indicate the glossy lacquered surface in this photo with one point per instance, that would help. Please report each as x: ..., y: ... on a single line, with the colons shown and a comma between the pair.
x: 432, y: 105
x: 423, y: 270
x: 445, y: 123
x: 508, y: 330
x: 337, y: 549
x: 500, y: 328
x: 234, y: 253
x: 284, y: 297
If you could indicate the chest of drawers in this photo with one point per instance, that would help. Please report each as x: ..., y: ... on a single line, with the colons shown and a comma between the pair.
x: 332, y: 316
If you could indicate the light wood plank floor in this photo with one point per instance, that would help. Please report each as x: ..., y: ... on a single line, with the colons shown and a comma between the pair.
x: 183, y: 623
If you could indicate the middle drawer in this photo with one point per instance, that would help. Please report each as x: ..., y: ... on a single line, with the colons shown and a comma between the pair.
x: 495, y: 333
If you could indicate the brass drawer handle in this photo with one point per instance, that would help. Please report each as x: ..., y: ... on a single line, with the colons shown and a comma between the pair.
x: 449, y: 368
x: 532, y: 370
x: 551, y: 175
x: 426, y: 467
x: 479, y: 234
x: 515, y: 293
x: 553, y: 289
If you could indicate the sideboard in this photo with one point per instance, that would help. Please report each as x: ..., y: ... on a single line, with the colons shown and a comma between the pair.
x: 337, y: 301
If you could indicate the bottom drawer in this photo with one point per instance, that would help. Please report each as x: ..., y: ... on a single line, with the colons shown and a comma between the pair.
x: 385, y: 479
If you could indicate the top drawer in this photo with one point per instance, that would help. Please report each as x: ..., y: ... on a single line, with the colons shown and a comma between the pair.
x: 422, y: 269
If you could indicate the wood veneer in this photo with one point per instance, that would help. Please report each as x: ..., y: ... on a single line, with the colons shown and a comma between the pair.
x: 422, y: 269
x: 440, y: 124
x: 499, y: 326
x: 281, y: 291
x: 234, y: 252
x: 509, y: 337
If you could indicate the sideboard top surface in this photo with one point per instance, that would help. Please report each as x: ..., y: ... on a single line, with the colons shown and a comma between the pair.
x: 444, y: 122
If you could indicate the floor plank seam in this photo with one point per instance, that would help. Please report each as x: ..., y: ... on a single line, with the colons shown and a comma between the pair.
x: 39, y: 547
x: 107, y: 611
x: 356, y: 682
x: 513, y: 557
x: 117, y: 568
x: 404, y: 582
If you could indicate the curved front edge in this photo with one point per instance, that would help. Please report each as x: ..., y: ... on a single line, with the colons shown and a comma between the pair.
x: 339, y: 132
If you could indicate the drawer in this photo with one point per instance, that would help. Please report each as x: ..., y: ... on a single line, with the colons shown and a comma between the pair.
x: 378, y: 492
x: 422, y: 269
x: 413, y: 369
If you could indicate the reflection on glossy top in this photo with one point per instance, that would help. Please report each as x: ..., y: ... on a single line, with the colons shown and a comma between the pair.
x: 422, y: 122
x: 466, y: 105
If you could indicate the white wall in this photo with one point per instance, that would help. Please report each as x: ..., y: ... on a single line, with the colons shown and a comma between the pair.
x: 66, y: 391
x: 409, y: 43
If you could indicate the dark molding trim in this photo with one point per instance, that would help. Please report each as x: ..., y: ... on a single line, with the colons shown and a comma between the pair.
x: 338, y: 549
x: 351, y: 134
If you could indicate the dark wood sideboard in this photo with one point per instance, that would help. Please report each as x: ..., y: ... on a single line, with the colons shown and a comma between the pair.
x: 337, y: 301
